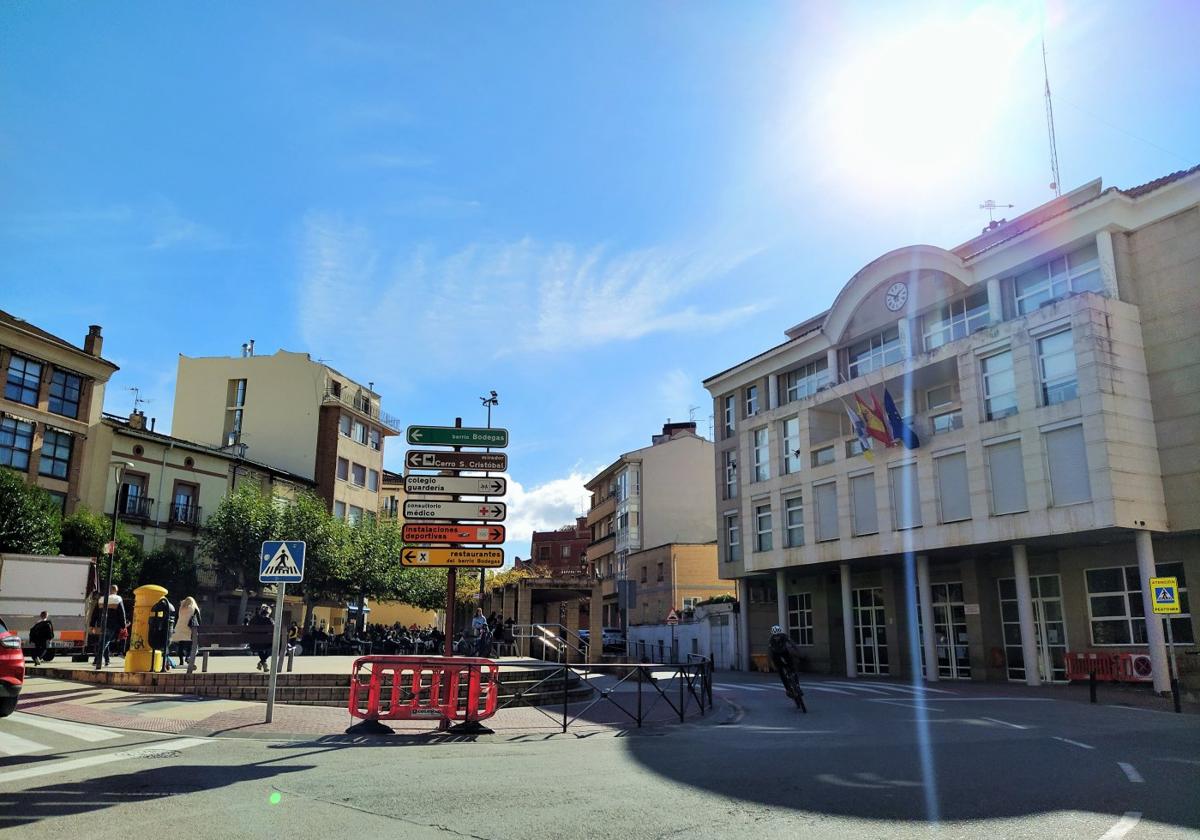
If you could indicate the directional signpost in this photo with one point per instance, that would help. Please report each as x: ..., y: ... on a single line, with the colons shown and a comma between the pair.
x: 486, y: 511
x: 420, y: 459
x: 455, y: 436
x: 454, y: 485
x: 1164, y: 592
x: 419, y: 555
x: 426, y: 532
x: 280, y: 562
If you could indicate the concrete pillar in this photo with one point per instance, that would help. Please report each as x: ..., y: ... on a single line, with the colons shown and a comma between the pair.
x: 524, y: 617
x: 571, y: 622
x: 743, y: 624
x: 930, y: 637
x: 831, y: 362
x: 773, y: 390
x: 781, y: 599
x: 902, y: 332
x: 595, y: 625
x: 848, y: 622
x: 1154, y: 628
x: 995, y: 301
x: 1025, y: 615
x: 973, y: 587
x: 1108, y: 263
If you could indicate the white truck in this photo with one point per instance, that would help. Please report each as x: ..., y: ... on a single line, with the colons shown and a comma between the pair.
x: 30, y: 583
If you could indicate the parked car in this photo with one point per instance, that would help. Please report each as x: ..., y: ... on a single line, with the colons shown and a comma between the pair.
x: 12, y: 670
x: 613, y: 639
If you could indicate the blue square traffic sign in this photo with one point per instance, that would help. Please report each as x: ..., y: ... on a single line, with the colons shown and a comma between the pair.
x: 281, y: 561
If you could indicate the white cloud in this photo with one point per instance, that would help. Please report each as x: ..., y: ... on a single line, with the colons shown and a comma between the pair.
x: 542, y: 507
x: 540, y: 297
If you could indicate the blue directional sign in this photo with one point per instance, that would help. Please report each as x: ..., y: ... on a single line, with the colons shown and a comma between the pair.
x: 281, y: 561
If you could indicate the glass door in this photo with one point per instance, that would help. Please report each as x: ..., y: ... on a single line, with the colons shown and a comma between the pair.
x: 1049, y: 628
x: 870, y: 631
x: 950, y: 631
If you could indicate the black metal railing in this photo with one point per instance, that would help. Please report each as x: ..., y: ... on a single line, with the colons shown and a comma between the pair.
x: 365, y: 406
x: 185, y: 513
x: 135, y: 507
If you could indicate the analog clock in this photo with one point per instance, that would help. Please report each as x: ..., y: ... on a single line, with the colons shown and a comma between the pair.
x: 896, y: 297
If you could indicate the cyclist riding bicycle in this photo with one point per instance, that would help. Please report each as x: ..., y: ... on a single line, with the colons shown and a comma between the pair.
x: 784, y: 656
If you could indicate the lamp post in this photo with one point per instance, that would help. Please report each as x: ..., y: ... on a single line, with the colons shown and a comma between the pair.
x: 488, y: 402
x: 119, y: 468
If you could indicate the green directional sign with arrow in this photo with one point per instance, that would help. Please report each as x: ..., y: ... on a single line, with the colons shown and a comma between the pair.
x: 451, y: 436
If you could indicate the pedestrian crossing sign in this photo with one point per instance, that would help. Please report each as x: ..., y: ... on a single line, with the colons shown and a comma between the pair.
x: 1165, y: 591
x: 281, y: 561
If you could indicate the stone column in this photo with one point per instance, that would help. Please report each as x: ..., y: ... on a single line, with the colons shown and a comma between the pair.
x: 848, y: 622
x: 1025, y: 615
x: 571, y: 622
x: 743, y: 624
x: 832, y: 363
x: 929, y: 645
x: 1108, y: 263
x: 1154, y: 629
x: 524, y: 617
x: 596, y: 625
x: 995, y: 301
x: 773, y: 391
x: 781, y: 598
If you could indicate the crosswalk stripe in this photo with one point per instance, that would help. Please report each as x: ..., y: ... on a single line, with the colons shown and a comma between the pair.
x: 92, y: 734
x: 51, y: 767
x: 881, y: 686
x: 16, y: 745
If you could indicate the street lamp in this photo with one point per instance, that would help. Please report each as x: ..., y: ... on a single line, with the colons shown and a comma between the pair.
x: 488, y: 401
x: 118, y: 468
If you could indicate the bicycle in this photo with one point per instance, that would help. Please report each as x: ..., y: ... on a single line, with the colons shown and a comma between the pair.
x: 792, y: 680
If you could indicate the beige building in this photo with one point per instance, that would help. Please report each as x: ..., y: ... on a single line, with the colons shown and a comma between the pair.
x: 289, y: 411
x: 646, y: 498
x: 53, y: 394
x: 675, y: 576
x: 1051, y: 370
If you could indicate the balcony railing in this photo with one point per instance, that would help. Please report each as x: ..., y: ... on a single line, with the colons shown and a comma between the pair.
x: 185, y: 513
x: 135, y: 507
x: 363, y: 406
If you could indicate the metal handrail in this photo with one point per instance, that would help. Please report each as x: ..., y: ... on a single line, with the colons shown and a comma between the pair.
x: 554, y: 636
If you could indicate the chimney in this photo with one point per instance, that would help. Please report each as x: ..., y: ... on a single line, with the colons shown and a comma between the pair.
x: 93, y: 343
x: 137, y: 420
x: 251, y: 345
x: 153, y: 420
x: 245, y: 349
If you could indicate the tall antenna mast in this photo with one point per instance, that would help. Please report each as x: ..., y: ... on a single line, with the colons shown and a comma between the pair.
x: 1055, y: 180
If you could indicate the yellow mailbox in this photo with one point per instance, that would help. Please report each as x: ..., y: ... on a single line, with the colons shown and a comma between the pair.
x: 140, y: 656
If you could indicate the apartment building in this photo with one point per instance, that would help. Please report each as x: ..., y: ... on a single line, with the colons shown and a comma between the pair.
x: 53, y: 393
x: 654, y: 496
x: 1049, y: 370
x: 561, y: 552
x: 289, y: 411
x: 675, y: 576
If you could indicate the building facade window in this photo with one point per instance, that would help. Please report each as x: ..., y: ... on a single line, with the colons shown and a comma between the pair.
x: 1077, y: 272
x: 66, y: 390
x: 358, y: 475
x: 1006, y: 476
x: 1066, y: 460
x: 956, y: 320
x: 937, y: 397
x: 906, y: 497
x: 790, y: 442
x: 762, y: 455
x: 793, y: 521
x: 733, y: 539
x: 24, y: 380
x: 344, y: 425
x: 751, y: 400
x: 343, y: 469
x: 1056, y: 368
x: 56, y: 454
x: 731, y: 479
x: 729, y: 413
x: 339, y: 510
x: 1116, y: 610
x: 800, y: 618
x: 874, y: 352
x: 660, y: 570
x: 864, y: 513
x: 999, y: 385
x: 953, y: 493
x: 950, y: 421
x: 822, y: 456
x: 825, y: 496
x: 359, y: 433
x: 16, y: 443
x: 805, y: 381
x: 373, y: 480
x: 374, y: 440
x: 644, y: 574
x: 763, y: 540
x: 354, y: 514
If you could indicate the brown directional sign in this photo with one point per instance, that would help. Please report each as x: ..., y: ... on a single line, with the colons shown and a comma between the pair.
x: 419, y: 555
x: 424, y: 532
x: 424, y: 459
x: 455, y: 485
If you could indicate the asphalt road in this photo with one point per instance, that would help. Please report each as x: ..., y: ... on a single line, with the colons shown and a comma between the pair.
x: 998, y: 763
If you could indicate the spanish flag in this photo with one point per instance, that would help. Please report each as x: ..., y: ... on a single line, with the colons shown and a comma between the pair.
x: 876, y: 427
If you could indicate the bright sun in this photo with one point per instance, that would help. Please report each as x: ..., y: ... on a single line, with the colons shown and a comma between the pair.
x: 916, y: 105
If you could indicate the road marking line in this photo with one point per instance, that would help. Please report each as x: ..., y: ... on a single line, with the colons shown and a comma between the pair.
x: 1004, y: 723
x: 826, y: 688
x: 1131, y: 772
x: 15, y: 745
x: 1076, y: 743
x: 49, y: 768
x: 890, y: 687
x: 62, y: 727
x: 905, y: 704
x: 1124, y: 825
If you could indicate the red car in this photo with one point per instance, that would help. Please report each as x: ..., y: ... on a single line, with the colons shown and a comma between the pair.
x: 12, y: 670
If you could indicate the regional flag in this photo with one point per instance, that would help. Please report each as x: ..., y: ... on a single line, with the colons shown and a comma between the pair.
x: 860, y: 431
x: 900, y: 430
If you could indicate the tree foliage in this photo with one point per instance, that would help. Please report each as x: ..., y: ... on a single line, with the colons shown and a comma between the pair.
x: 234, y: 534
x: 85, y: 533
x: 29, y: 518
x: 169, y: 569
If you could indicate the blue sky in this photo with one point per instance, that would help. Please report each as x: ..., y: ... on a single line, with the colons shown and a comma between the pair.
x: 586, y: 207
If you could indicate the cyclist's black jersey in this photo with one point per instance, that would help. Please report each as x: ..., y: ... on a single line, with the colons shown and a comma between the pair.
x: 778, y: 646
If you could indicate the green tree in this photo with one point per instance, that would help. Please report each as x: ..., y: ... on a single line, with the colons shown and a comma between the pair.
x: 169, y: 569
x: 233, y: 536
x: 373, y: 561
x: 29, y: 518
x: 325, y: 569
x: 85, y: 533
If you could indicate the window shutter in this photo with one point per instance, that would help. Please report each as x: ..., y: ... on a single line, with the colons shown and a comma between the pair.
x: 827, y: 513
x: 862, y: 492
x: 953, y: 493
x: 1007, y: 474
x: 1066, y: 455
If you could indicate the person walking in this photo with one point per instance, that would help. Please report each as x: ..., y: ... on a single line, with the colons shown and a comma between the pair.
x: 263, y: 619
x: 185, y: 625
x: 40, y: 635
x: 116, y: 621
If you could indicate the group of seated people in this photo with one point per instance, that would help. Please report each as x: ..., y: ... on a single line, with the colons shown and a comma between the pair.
x: 481, y: 637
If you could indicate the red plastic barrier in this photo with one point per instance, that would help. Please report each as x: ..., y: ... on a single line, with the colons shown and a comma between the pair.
x: 1109, y: 667
x: 454, y: 688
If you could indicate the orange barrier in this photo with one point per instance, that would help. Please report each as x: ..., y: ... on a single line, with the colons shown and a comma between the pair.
x: 1109, y: 667
x: 454, y: 688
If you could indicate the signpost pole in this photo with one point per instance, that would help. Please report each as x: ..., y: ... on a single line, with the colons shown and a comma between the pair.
x: 1172, y: 667
x: 451, y: 580
x: 280, y: 588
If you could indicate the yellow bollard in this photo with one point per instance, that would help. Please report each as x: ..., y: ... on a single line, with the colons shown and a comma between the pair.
x: 140, y: 657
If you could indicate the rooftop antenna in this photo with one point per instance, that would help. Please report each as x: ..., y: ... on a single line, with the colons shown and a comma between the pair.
x: 991, y: 207
x: 1055, y: 180
x: 138, y: 399
x: 692, y: 409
